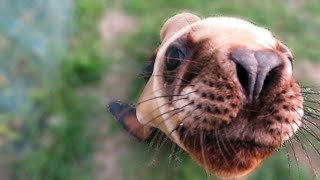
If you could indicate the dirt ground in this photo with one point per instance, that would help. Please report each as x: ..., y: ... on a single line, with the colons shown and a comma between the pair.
x: 110, y: 149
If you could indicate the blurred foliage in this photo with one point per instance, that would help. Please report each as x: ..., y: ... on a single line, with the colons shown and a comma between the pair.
x: 59, y: 152
x: 55, y: 139
x: 85, y: 61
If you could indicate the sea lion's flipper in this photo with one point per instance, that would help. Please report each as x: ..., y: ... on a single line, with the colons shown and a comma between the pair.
x: 126, y: 116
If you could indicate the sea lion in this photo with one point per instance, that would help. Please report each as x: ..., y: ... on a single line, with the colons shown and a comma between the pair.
x: 222, y: 89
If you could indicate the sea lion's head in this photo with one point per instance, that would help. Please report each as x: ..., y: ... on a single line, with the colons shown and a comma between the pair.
x: 222, y: 89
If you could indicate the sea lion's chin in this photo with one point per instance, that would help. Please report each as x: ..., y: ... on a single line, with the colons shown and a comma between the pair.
x: 228, y: 158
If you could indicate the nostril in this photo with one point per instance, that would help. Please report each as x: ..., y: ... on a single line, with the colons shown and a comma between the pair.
x: 246, y: 67
x: 271, y: 77
x: 243, y: 76
x: 256, y: 70
x: 269, y: 71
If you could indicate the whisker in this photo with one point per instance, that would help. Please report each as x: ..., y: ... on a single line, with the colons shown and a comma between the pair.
x: 220, y: 150
x: 203, y: 152
x: 317, y: 93
x: 304, y: 149
x: 160, y: 140
x: 312, y: 101
x: 229, y: 142
x: 310, y: 129
x: 166, y: 71
x: 181, y: 121
x: 154, y: 139
x: 305, y: 130
x: 157, y: 125
x: 188, y: 129
x: 219, y: 136
x: 162, y: 96
x: 309, y: 87
x: 170, y: 85
x: 189, y: 60
x: 294, y: 154
x: 314, y: 173
x: 174, y: 156
x: 190, y: 25
x: 195, y: 71
x: 305, y: 124
x: 172, y: 110
x: 311, y: 143
x: 309, y: 121
x: 174, y: 114
x: 315, y: 136
x: 163, y: 142
x: 167, y: 103
x: 310, y: 114
x: 151, y: 120
x: 314, y: 109
x: 171, y: 76
x: 155, y: 147
x: 288, y: 159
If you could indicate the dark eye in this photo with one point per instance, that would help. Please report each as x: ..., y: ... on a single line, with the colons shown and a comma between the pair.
x: 174, y: 57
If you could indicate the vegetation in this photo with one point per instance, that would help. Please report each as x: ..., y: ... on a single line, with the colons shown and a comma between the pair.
x: 61, y: 145
x: 62, y: 148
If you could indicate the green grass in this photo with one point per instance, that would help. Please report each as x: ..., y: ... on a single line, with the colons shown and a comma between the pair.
x: 66, y: 154
x: 60, y: 140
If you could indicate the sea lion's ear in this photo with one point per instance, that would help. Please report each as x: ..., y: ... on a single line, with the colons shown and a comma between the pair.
x: 126, y: 116
x: 176, y: 23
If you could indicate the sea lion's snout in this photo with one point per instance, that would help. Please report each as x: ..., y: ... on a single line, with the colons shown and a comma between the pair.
x: 222, y: 89
x: 255, y: 69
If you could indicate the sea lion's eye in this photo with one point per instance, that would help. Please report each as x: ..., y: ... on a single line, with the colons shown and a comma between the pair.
x: 174, y: 57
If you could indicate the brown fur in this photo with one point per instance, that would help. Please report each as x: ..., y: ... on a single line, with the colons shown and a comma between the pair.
x: 202, y: 105
x: 234, y: 131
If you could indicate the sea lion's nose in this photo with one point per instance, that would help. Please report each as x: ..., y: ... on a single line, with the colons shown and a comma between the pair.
x: 256, y: 69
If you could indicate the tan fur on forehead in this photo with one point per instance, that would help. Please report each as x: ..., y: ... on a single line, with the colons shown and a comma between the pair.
x: 234, y: 27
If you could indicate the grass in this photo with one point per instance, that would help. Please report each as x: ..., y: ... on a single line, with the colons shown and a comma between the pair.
x: 60, y: 141
x: 63, y: 154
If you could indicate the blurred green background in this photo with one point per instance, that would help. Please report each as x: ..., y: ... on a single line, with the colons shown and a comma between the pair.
x: 62, y: 61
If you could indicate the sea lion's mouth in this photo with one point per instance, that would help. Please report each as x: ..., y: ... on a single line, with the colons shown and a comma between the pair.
x: 221, y: 155
x: 220, y: 137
